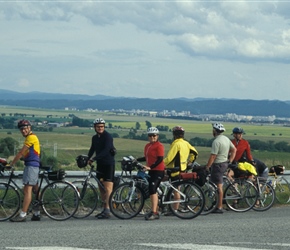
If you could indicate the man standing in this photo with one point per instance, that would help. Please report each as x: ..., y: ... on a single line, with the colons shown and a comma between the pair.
x: 221, y: 149
x: 103, y: 148
x: 30, y: 152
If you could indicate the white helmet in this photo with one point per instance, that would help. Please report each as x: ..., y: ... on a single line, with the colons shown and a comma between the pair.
x: 99, y: 121
x: 152, y: 130
x: 219, y: 126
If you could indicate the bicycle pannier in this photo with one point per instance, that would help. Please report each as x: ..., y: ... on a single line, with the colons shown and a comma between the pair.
x: 57, y: 175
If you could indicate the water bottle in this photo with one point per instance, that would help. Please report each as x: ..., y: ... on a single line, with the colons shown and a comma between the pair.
x: 270, y: 182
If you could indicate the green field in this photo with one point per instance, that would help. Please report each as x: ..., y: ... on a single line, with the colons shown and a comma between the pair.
x: 67, y: 143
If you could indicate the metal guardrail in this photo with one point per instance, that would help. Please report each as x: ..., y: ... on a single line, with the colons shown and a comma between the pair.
x: 82, y: 174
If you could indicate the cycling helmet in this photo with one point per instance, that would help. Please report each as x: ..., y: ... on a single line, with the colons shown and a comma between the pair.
x: 82, y: 161
x: 219, y: 127
x: 152, y: 130
x: 23, y: 123
x: 99, y: 121
x: 178, y: 130
x: 238, y: 130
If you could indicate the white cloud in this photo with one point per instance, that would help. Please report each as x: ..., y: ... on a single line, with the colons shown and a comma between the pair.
x: 129, y: 48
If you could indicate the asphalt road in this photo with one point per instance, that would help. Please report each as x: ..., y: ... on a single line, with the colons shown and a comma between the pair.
x: 250, y: 230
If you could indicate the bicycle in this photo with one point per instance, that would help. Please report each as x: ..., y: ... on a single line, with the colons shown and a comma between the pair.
x: 279, y: 184
x: 127, y: 200
x: 58, y: 198
x: 240, y: 193
x: 266, y: 195
x: 89, y: 194
x: 89, y: 197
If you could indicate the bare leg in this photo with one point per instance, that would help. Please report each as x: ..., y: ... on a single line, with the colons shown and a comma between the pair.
x: 27, y: 197
x: 221, y: 194
x: 154, y: 202
x: 105, y: 195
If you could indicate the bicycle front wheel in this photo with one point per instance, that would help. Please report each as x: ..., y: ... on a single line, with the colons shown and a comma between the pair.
x: 187, y: 201
x: 266, y: 198
x: 126, y: 201
x: 59, y: 200
x: 9, y: 201
x: 282, y: 190
x: 88, y: 199
x: 241, y: 196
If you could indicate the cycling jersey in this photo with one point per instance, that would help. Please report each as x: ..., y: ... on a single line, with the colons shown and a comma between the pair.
x: 243, y: 150
x: 154, y: 153
x: 179, y: 154
x: 101, y: 146
x: 31, y: 158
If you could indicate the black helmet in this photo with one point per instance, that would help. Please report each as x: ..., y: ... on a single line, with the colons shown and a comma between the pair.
x: 238, y: 130
x: 23, y: 123
x: 82, y: 161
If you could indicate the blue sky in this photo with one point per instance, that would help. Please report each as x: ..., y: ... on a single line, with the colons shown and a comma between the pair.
x: 150, y: 49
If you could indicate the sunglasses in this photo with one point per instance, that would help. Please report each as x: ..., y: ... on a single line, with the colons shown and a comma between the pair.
x: 152, y: 135
x: 100, y: 126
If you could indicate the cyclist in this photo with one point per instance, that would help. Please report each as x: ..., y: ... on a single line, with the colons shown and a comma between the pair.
x: 102, y: 147
x: 262, y: 169
x: 243, y: 156
x: 180, y: 154
x: 153, y: 155
x: 243, y: 147
x: 30, y: 153
x: 221, y: 149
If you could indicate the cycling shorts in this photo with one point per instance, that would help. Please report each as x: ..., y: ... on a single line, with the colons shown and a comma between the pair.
x: 154, y: 181
x: 30, y: 175
x: 106, y: 172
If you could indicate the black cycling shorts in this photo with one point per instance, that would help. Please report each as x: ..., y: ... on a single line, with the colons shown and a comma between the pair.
x: 106, y: 172
x: 156, y: 177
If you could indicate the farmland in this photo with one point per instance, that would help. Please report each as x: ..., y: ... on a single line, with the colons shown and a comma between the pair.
x: 67, y: 142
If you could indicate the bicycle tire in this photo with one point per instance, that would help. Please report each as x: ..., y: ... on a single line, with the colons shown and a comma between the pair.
x: 59, y: 200
x: 9, y: 201
x: 241, y: 195
x: 282, y: 190
x: 88, y: 199
x: 126, y: 201
x: 266, y: 198
x: 191, y: 205
x: 211, y: 197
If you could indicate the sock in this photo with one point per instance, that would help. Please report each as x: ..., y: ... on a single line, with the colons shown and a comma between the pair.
x: 22, y: 214
x: 107, y: 210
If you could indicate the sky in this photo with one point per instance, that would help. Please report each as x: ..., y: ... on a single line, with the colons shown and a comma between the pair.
x: 147, y: 49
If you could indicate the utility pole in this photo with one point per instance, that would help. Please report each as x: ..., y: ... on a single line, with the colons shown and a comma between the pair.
x: 55, y: 149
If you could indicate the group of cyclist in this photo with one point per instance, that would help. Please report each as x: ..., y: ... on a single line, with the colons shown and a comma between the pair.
x: 102, y: 151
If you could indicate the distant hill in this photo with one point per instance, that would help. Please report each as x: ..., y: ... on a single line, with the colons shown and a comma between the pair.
x: 101, y: 102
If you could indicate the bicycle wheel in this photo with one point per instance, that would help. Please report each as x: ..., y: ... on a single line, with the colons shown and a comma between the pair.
x: 188, y: 202
x: 59, y: 200
x: 211, y: 197
x: 266, y: 198
x: 241, y: 195
x: 282, y: 190
x: 88, y: 199
x: 126, y: 201
x: 9, y: 201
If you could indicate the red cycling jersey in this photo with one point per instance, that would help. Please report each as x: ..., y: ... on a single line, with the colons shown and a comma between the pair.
x: 243, y: 150
x: 152, y: 151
